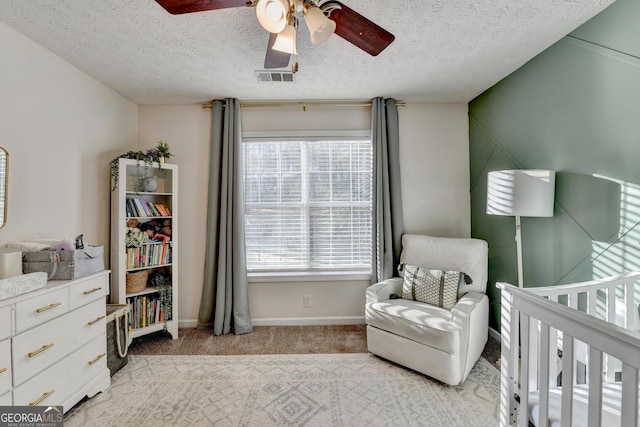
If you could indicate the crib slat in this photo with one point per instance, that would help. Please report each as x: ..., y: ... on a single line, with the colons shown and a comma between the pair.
x: 543, y: 414
x: 509, y: 360
x: 553, y: 351
x: 568, y: 364
x: 629, y: 396
x: 534, y: 347
x: 632, y: 314
x: 525, y: 339
x: 610, y: 362
x: 595, y: 387
x: 573, y: 303
x: 573, y: 300
x: 610, y: 293
x: 592, y: 296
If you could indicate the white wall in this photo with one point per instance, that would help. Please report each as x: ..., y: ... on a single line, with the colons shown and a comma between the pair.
x: 61, y: 129
x: 435, y: 182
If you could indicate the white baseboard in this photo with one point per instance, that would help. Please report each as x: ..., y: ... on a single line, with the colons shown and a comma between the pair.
x: 308, y: 321
x: 494, y: 334
x: 291, y: 321
x: 189, y: 323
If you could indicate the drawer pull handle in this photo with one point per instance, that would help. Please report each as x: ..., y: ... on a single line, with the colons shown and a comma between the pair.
x: 3, y: 370
x: 40, y: 350
x: 48, y: 307
x: 100, y: 356
x: 90, y: 291
x: 97, y: 319
x: 43, y: 397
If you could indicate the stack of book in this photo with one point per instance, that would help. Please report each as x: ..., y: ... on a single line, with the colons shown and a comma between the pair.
x: 149, y: 255
x: 146, y: 310
x: 137, y: 207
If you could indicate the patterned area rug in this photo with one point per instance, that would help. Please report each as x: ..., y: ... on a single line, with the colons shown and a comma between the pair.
x: 287, y: 390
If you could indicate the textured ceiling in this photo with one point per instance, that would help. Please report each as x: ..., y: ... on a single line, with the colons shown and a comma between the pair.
x: 445, y: 50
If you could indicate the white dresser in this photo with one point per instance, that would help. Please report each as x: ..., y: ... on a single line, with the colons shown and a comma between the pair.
x: 53, y: 343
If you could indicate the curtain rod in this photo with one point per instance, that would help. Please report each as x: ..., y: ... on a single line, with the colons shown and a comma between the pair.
x: 305, y: 104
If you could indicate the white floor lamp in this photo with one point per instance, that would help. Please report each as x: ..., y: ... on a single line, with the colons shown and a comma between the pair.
x: 521, y: 192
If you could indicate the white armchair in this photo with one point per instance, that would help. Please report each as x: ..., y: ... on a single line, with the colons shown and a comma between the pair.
x: 441, y: 343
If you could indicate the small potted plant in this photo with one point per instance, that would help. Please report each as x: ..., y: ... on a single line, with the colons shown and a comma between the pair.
x: 163, y: 151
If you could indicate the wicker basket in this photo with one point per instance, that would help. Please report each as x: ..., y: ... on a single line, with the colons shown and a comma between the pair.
x: 137, y: 281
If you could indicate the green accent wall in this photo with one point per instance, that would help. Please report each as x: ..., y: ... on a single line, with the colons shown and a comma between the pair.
x: 575, y: 109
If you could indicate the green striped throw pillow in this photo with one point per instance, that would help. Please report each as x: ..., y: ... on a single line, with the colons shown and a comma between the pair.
x: 434, y: 287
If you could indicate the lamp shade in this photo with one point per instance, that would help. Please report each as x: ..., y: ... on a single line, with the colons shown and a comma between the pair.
x: 286, y: 40
x: 272, y: 14
x: 320, y: 27
x: 521, y: 192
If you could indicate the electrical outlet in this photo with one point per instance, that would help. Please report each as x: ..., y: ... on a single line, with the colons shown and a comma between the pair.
x: 306, y: 300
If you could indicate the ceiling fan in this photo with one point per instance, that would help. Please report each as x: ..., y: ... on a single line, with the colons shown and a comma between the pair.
x: 280, y: 19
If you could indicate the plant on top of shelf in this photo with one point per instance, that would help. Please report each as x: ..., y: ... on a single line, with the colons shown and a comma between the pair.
x: 163, y: 151
x: 157, y: 154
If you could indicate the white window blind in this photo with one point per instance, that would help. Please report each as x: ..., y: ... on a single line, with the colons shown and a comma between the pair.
x: 308, y: 205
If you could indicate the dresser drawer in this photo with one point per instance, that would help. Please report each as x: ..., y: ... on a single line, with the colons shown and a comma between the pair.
x: 5, y: 322
x: 43, y: 346
x: 88, y: 322
x: 40, y: 309
x: 5, y: 366
x: 90, y: 360
x: 88, y: 290
x: 59, y: 382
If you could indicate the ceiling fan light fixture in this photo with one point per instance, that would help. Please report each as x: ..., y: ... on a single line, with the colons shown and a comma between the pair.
x: 272, y: 14
x: 286, y: 40
x: 320, y: 27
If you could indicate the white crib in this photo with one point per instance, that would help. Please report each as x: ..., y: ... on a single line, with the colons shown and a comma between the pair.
x: 579, y: 354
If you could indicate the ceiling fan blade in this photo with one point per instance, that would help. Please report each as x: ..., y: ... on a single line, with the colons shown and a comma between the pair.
x: 357, y: 29
x: 177, y: 7
x: 275, y: 58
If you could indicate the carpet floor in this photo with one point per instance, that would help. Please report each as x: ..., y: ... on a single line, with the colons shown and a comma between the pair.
x: 263, y: 340
x: 347, y: 390
x: 270, y: 340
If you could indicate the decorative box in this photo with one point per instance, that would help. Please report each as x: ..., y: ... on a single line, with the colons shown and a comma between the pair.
x: 65, y: 265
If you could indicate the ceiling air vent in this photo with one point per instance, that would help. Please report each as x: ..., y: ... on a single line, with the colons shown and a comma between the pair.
x: 274, y: 76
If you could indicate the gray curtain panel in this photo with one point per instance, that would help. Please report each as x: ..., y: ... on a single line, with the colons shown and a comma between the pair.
x: 225, y: 297
x: 388, y: 224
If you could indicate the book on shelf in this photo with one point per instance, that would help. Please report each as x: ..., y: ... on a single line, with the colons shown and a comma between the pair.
x: 138, y: 207
x: 146, y: 310
x: 154, y: 209
x: 162, y: 209
x: 145, y: 207
x: 150, y: 255
x: 165, y: 210
x: 131, y: 208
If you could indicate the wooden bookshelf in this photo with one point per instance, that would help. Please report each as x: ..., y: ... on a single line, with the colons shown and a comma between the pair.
x: 144, y: 236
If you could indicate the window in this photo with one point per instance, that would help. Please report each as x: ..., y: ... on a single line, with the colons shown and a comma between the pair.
x: 308, y: 204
